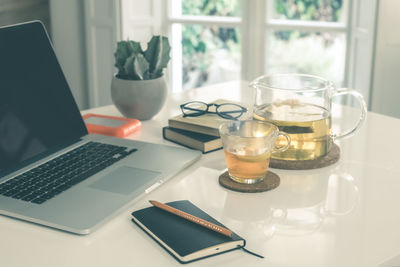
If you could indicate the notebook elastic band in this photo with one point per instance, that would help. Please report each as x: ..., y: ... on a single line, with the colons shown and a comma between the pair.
x: 252, y: 253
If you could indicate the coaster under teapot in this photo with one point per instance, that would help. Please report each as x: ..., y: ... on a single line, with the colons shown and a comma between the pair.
x: 331, y: 158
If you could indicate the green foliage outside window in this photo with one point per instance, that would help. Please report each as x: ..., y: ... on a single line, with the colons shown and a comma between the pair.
x: 198, y: 40
x: 308, y: 10
x: 211, y: 7
x: 319, y: 10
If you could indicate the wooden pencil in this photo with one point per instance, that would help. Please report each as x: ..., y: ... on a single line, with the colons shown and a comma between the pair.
x: 192, y: 218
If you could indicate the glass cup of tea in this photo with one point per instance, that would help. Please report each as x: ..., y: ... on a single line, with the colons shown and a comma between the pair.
x: 248, y: 146
x: 300, y: 105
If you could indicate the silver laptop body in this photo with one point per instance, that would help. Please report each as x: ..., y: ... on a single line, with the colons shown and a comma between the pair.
x: 88, y: 204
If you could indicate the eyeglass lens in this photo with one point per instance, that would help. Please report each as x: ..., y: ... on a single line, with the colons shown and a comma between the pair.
x: 194, y: 108
x: 230, y: 111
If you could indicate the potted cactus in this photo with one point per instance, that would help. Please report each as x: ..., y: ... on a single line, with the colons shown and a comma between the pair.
x: 139, y: 89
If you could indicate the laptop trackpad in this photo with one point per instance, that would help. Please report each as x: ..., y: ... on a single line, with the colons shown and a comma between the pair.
x: 125, y: 180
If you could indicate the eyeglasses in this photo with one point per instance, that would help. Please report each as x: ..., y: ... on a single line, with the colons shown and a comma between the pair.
x: 227, y: 110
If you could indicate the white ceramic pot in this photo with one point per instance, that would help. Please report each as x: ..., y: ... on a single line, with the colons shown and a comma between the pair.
x: 139, y: 99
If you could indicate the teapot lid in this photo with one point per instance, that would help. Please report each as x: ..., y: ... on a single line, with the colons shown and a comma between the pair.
x: 291, y: 82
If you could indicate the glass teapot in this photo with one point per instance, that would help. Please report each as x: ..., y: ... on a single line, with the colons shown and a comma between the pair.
x: 300, y: 105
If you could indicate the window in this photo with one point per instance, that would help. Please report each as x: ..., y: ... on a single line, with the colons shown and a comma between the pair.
x: 208, y: 37
x: 307, y: 37
x: 220, y: 40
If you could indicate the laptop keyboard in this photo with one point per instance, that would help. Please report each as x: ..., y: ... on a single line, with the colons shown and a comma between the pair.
x: 57, y: 175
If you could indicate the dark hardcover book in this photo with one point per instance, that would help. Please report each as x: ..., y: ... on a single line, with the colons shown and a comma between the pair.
x: 203, y: 142
x: 183, y: 239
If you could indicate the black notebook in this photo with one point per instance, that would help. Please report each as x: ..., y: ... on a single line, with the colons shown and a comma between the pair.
x: 183, y: 239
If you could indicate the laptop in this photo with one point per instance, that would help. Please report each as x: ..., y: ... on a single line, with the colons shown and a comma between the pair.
x: 52, y: 172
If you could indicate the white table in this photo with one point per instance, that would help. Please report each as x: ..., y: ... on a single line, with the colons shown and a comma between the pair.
x: 342, y: 215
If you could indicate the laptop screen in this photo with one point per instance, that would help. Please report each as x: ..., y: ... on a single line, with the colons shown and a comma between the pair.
x: 37, y: 110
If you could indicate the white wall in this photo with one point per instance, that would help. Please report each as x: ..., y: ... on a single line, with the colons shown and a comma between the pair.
x: 361, y: 46
x: 102, y: 27
x: 85, y: 34
x: 386, y: 75
x: 68, y: 34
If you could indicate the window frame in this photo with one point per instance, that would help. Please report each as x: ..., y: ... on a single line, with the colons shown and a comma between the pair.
x: 255, y: 23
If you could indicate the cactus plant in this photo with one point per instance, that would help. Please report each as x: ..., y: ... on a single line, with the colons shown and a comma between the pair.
x: 135, y: 64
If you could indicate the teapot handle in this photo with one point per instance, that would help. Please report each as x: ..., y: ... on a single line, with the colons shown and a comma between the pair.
x: 363, y: 112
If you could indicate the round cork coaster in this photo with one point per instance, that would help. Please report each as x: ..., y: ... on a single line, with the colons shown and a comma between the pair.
x: 332, y: 157
x: 270, y: 181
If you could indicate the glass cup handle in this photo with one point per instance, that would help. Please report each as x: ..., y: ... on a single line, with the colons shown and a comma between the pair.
x: 363, y: 114
x: 283, y: 147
